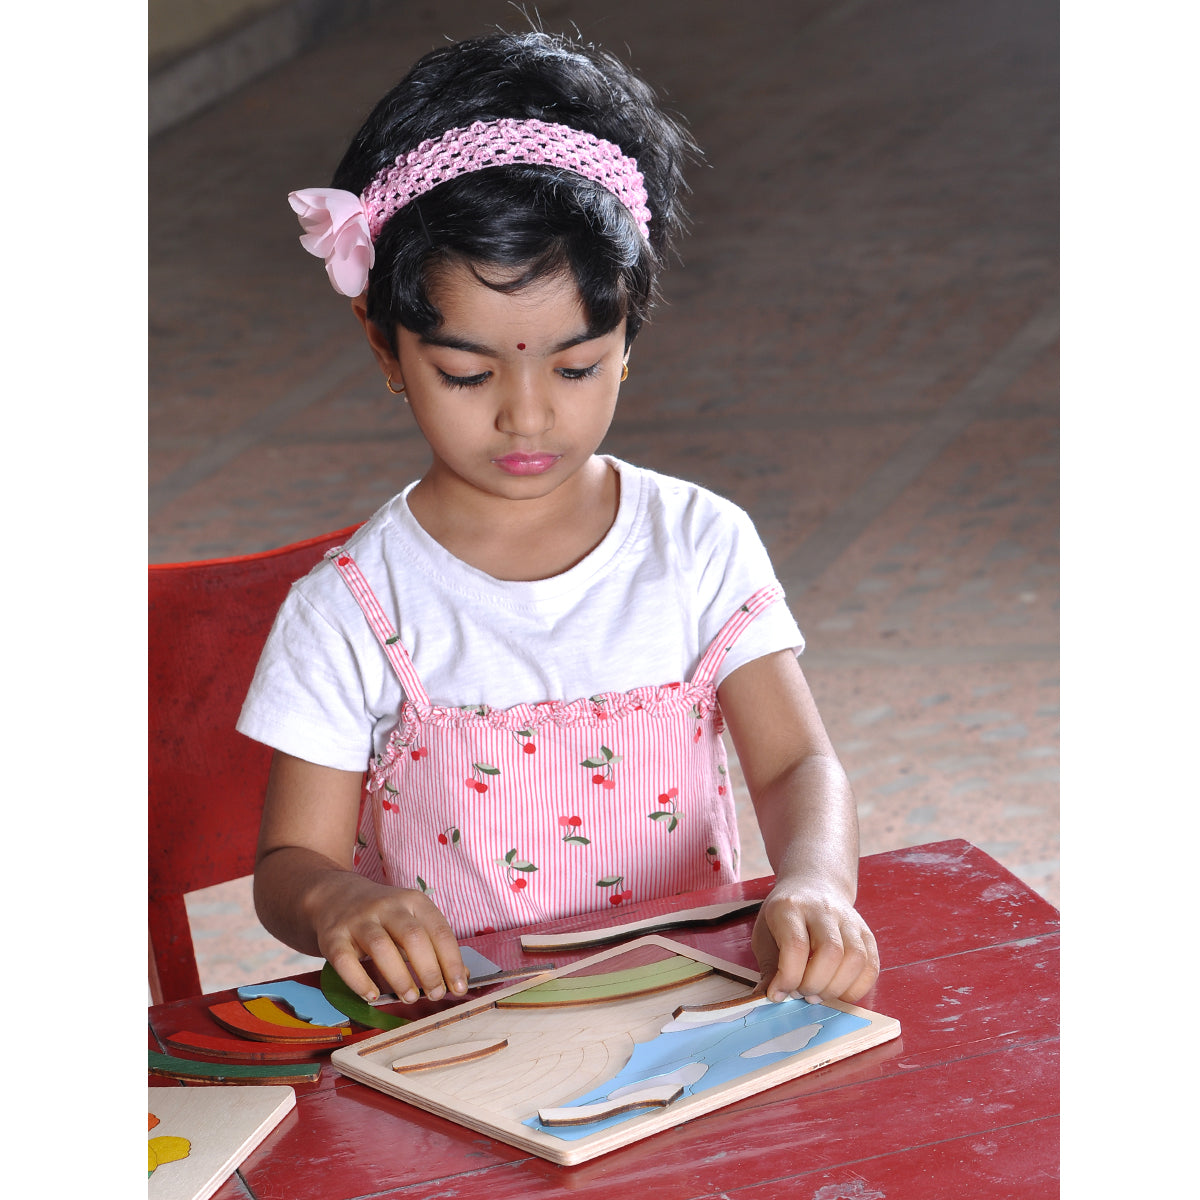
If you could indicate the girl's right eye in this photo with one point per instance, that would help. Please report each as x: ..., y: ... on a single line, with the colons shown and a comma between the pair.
x: 464, y: 381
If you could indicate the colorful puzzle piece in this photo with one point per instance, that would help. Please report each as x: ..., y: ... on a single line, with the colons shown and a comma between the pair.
x: 589, y: 988
x: 267, y: 1010
x: 308, y: 1003
x: 193, y: 1071
x: 234, y: 1016
x: 239, y: 1049
x: 334, y: 989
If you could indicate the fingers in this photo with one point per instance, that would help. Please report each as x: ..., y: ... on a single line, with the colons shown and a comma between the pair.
x: 453, y: 969
x: 347, y: 953
x: 865, y: 980
x: 382, y: 946
x: 434, y: 961
x: 837, y: 961
x: 346, y: 963
x: 409, y: 942
x: 781, y: 944
x: 815, y: 951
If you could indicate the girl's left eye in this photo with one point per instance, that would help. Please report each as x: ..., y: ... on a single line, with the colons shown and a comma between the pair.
x: 579, y: 372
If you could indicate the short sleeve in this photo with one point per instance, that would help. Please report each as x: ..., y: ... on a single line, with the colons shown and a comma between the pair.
x: 308, y: 695
x: 732, y: 565
x: 773, y: 630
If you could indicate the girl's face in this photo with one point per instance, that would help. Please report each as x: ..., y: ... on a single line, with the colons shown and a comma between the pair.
x: 512, y: 394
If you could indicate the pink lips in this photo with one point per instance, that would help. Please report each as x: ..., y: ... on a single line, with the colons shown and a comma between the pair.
x: 526, y: 464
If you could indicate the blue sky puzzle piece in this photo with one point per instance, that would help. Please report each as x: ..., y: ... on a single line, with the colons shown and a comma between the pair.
x: 308, y: 1003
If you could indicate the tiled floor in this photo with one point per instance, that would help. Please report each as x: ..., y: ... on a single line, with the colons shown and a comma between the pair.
x: 861, y: 349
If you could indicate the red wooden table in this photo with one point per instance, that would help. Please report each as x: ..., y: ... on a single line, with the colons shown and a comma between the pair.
x: 963, y: 1104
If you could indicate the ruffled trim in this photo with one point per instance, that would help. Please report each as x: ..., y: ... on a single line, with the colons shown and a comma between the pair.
x: 694, y: 699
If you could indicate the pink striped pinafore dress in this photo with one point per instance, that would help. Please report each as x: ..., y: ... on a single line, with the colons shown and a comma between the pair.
x: 507, y: 817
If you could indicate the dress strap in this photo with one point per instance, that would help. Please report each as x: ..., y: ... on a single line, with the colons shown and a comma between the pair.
x: 381, y: 627
x: 733, y: 629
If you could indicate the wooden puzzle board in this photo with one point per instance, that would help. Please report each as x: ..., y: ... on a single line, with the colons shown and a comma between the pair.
x: 577, y: 1034
x: 211, y: 1132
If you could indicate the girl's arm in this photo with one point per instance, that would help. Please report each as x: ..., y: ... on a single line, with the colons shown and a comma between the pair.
x: 808, y: 939
x: 308, y: 895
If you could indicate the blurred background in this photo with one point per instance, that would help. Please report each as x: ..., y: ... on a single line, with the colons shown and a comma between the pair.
x: 860, y: 348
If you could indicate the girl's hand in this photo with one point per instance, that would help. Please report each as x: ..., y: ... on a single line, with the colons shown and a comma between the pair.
x: 808, y: 938
x: 401, y: 931
x: 308, y: 895
x: 810, y: 941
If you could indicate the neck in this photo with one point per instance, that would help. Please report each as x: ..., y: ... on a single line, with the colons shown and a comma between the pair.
x: 519, y: 540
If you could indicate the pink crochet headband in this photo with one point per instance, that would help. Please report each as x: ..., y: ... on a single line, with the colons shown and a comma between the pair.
x: 341, y: 227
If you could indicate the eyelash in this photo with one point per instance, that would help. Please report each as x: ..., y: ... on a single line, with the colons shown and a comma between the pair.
x: 573, y: 373
x: 464, y: 381
x: 570, y: 374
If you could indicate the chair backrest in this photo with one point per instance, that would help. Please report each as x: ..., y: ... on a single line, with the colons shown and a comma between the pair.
x: 207, y: 626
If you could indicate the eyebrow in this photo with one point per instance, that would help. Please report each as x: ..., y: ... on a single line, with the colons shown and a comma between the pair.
x: 450, y: 342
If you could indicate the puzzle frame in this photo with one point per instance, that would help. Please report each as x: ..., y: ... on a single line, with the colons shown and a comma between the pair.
x: 521, y: 1051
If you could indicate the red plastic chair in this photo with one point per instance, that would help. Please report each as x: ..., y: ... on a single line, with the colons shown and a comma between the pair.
x: 208, y: 623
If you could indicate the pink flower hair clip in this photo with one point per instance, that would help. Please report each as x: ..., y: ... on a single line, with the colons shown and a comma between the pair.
x: 341, y: 227
x: 335, y: 229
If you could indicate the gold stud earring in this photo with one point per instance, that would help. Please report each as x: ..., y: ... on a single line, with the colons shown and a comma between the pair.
x: 624, y: 372
x: 395, y: 391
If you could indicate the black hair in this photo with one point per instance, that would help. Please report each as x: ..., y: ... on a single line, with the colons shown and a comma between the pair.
x: 539, y: 220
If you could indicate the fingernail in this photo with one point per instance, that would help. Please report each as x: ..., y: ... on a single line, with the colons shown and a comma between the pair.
x: 410, y: 997
x: 370, y: 995
x: 812, y: 999
x: 437, y: 993
x: 459, y: 985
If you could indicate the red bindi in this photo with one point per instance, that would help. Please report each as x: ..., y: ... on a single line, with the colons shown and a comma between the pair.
x: 520, y: 345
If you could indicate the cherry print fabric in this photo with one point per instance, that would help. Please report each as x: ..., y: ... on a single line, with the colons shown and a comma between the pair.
x: 505, y: 817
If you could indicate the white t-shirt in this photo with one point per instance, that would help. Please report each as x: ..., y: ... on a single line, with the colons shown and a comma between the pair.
x: 639, y: 610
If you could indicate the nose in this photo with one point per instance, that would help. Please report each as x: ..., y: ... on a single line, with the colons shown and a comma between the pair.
x: 525, y: 410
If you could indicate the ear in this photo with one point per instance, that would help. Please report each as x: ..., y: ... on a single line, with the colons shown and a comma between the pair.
x: 387, y: 361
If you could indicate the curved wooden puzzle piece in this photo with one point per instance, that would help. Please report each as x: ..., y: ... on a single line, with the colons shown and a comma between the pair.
x: 241, y: 1049
x: 723, y: 1010
x: 586, y: 1114
x: 307, y: 1002
x: 583, y: 939
x: 192, y: 1071
x: 234, y: 1016
x: 612, y: 985
x: 334, y: 989
x: 266, y: 1009
x: 449, y: 1056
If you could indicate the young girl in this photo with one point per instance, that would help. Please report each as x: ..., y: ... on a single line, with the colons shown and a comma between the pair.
x: 533, y: 649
